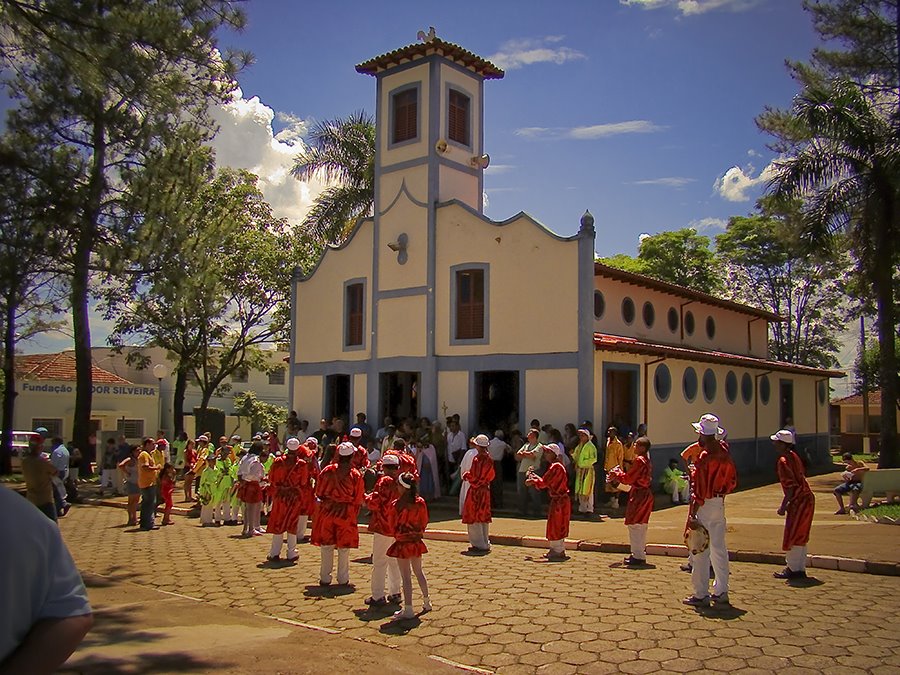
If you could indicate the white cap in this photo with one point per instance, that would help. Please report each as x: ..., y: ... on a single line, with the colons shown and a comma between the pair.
x: 311, y: 442
x: 708, y: 425
x: 481, y: 441
x: 203, y: 437
x: 554, y: 448
x: 784, y: 435
x: 292, y: 444
x: 346, y: 449
x: 390, y: 460
x: 356, y: 432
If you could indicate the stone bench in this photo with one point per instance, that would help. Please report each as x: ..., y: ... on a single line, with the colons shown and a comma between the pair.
x: 880, y: 481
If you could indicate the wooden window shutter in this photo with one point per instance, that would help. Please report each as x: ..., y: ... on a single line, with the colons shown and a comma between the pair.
x: 470, y: 304
x: 405, y: 116
x: 354, y: 305
x: 458, y: 117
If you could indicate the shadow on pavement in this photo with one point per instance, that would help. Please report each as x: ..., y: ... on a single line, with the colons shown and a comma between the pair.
x: 332, y: 591
x: 808, y: 582
x: 375, y: 613
x: 145, y: 662
x: 401, y: 627
x: 725, y: 613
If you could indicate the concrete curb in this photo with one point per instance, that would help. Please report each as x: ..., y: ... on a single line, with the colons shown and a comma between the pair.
x: 825, y: 562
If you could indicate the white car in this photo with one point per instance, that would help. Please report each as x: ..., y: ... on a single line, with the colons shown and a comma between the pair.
x: 20, y: 441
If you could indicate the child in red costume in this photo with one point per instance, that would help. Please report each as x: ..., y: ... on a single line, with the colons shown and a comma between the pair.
x: 307, y: 454
x: 285, y: 478
x: 379, y: 502
x: 798, y: 505
x: 477, y: 507
x: 409, y: 516
x: 640, y: 499
x: 167, y: 489
x: 556, y: 481
x: 340, y: 492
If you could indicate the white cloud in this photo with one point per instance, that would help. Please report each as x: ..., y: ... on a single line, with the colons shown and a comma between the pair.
x: 247, y: 140
x: 528, y: 51
x: 736, y: 182
x: 642, y: 236
x: 589, y: 133
x: 499, y: 168
x: 708, y: 225
x: 753, y: 153
x: 690, y: 7
x: 669, y: 181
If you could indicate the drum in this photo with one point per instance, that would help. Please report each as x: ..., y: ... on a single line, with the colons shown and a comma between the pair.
x: 697, y: 539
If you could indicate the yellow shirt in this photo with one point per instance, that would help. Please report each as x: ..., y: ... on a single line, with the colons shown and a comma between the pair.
x: 615, y: 452
x: 147, y: 470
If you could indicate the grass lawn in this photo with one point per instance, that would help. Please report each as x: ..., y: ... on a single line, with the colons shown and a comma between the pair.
x: 12, y: 478
x: 890, y: 510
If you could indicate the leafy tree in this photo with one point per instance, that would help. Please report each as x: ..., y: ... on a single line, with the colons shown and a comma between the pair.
x: 868, y: 365
x: 841, y: 139
x: 108, y: 84
x: 767, y: 267
x: 680, y: 257
x: 222, y: 294
x: 342, y: 150
x: 263, y: 416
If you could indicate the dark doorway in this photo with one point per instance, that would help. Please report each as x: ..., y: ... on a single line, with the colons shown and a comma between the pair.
x: 337, y: 397
x: 399, y: 395
x: 786, y: 396
x: 620, y: 388
x: 496, y: 400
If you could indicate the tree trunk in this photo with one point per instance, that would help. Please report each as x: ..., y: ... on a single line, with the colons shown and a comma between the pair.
x: 178, y: 401
x: 82, y: 329
x: 883, y: 279
x: 9, y: 386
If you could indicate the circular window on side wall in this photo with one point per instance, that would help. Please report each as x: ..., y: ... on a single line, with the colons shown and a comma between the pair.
x: 746, y: 388
x: 710, y: 327
x: 731, y: 387
x: 823, y: 391
x: 628, y: 310
x: 649, y: 314
x: 662, y: 382
x: 689, y: 384
x: 765, y: 389
x: 599, y: 305
x: 689, y: 322
x: 709, y: 385
x: 673, y: 319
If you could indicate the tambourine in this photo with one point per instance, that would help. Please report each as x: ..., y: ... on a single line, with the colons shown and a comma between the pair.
x: 697, y: 539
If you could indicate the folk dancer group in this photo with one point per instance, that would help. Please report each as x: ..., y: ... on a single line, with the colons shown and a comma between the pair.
x: 334, y: 494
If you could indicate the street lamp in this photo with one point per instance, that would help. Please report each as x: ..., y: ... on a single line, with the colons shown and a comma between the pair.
x: 160, y: 371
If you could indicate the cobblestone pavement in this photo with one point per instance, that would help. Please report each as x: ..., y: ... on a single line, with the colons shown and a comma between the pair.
x: 511, y: 612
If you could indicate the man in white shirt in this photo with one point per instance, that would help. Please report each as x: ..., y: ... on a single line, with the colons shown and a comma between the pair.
x: 528, y: 457
x: 457, y: 445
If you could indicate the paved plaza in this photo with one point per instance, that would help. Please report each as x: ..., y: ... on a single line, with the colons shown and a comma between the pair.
x: 508, y: 612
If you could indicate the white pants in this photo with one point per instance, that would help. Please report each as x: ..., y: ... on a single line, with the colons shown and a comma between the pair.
x: 712, y: 516
x: 478, y: 536
x: 343, y: 566
x: 223, y: 511
x: 684, y: 495
x: 110, y: 477
x: 586, y: 503
x: 637, y: 535
x: 558, y: 546
x: 207, y: 511
x: 301, y: 526
x: 383, y: 563
x: 796, y: 558
x: 278, y: 539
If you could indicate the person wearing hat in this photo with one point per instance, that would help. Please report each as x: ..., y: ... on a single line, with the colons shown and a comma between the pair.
x: 714, y: 477
x: 250, y: 474
x: 288, y: 472
x: 226, y: 513
x: 529, y: 458
x: 409, y: 519
x: 206, y: 492
x: 307, y: 452
x: 378, y: 501
x: 798, y: 505
x: 202, y: 449
x: 407, y: 461
x: 340, y: 492
x: 640, y: 499
x: 613, y: 457
x: 360, y: 460
x: 477, y: 507
x: 555, y: 480
x: 585, y: 457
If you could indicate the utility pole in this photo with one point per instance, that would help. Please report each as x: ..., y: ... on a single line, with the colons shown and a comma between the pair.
x: 865, y: 384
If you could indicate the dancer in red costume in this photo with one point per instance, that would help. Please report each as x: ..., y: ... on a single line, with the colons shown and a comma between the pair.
x: 410, y: 518
x: 556, y: 481
x: 477, y: 507
x: 340, y: 493
x: 798, y: 505
x: 407, y: 461
x: 307, y: 455
x: 360, y: 460
x: 285, y: 479
x: 379, y: 502
x: 640, y: 499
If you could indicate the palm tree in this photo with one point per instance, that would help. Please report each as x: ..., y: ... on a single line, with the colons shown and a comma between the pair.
x: 342, y: 152
x: 845, y: 165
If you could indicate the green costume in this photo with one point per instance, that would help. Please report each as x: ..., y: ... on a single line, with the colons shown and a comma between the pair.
x: 209, y: 479
x: 585, y: 456
x: 222, y: 493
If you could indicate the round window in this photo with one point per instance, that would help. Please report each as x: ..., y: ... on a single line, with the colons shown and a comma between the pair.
x: 599, y: 304
x: 662, y: 382
x: 673, y: 319
x: 731, y: 387
x: 628, y: 310
x: 710, y: 327
x: 765, y: 389
x: 649, y: 314
x: 709, y: 385
x: 746, y: 388
x: 822, y: 393
x: 689, y: 323
x: 689, y: 384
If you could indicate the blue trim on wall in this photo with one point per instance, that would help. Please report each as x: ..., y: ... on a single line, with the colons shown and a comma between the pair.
x: 585, y: 324
x: 405, y: 164
x: 635, y: 370
x: 331, y: 247
x: 448, y: 86
x: 486, y: 338
x: 403, y: 190
x: 344, y: 345
x: 401, y: 292
x: 390, y: 130
x: 295, y: 276
x: 480, y: 149
x: 459, y: 166
x: 370, y: 365
x: 501, y: 223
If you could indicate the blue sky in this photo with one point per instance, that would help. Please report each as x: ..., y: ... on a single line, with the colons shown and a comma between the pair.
x: 641, y: 110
